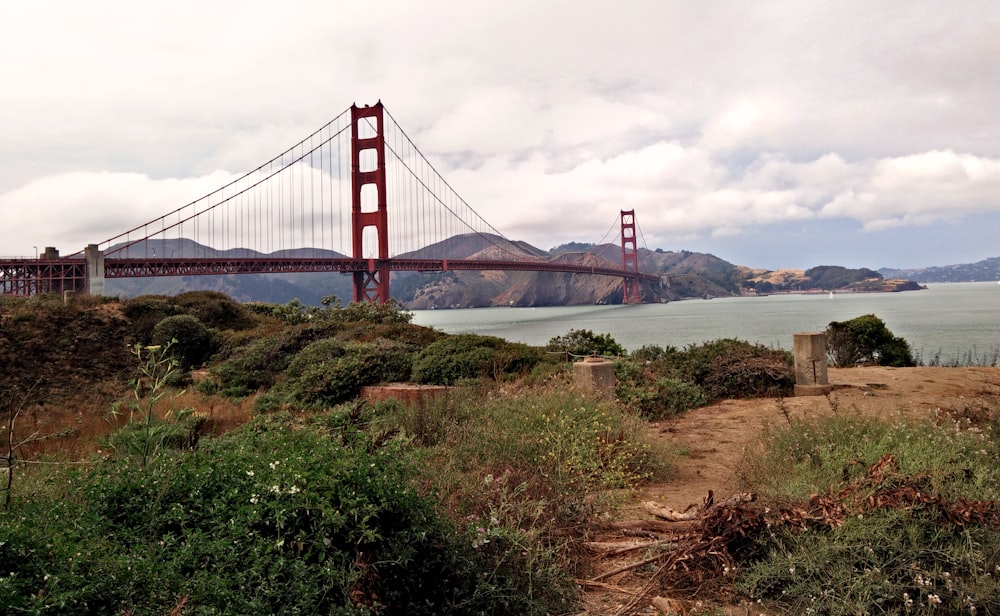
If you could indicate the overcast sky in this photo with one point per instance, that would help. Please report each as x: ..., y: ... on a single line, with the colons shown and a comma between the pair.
x: 770, y: 133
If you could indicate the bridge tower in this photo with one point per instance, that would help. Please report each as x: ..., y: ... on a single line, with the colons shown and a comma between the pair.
x: 630, y: 259
x: 371, y: 285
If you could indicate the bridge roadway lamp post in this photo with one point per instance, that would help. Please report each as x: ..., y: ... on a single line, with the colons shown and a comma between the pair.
x: 372, y: 284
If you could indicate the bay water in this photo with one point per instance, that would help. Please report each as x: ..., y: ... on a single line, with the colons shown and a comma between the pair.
x: 950, y: 321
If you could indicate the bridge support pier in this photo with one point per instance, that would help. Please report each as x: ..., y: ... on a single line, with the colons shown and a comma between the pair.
x: 630, y: 259
x: 373, y: 285
x: 95, y: 269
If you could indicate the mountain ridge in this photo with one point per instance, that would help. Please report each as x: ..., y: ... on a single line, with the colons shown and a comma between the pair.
x: 683, y: 274
x: 980, y: 271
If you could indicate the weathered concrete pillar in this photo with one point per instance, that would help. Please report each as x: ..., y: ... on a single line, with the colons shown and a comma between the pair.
x: 595, y: 375
x: 95, y: 269
x: 810, y: 364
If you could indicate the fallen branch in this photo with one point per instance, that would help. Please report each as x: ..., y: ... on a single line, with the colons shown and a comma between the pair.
x: 693, y: 513
x: 603, y: 586
x: 652, y: 527
x: 611, y: 548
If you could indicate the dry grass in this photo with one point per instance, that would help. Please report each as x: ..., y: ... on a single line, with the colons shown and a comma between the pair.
x: 74, y: 430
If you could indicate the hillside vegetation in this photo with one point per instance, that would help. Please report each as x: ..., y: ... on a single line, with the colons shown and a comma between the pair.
x: 225, y: 450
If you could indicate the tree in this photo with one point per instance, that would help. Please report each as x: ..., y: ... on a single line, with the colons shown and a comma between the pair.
x: 584, y: 342
x: 187, y: 338
x: 866, y: 340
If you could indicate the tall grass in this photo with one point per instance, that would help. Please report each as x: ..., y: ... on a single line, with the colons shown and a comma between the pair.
x: 898, y: 547
x: 525, y: 471
x: 566, y: 447
x: 989, y: 357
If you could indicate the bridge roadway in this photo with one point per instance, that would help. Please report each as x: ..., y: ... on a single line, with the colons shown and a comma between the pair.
x: 29, y: 276
x: 131, y: 268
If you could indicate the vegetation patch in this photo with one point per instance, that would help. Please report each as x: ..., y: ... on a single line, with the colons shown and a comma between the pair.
x: 865, y: 340
x: 470, y: 356
x: 661, y: 382
x: 902, y: 518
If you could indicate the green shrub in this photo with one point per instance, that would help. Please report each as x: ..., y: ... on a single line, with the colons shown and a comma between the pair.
x: 145, y: 311
x: 415, y: 337
x: 190, y: 341
x: 659, y: 383
x: 658, y: 397
x: 327, y: 372
x: 146, y: 429
x: 583, y: 342
x: 728, y: 368
x: 271, y: 519
x: 214, y: 309
x: 866, y: 340
x: 252, y: 368
x: 391, y: 312
x: 332, y: 311
x: 470, y: 356
x: 651, y: 352
x: 248, y: 363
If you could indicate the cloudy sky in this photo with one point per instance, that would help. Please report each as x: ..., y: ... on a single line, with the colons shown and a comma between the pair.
x: 771, y: 133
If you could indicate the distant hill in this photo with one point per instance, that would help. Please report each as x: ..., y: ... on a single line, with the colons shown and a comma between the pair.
x: 683, y: 274
x: 981, y: 271
x: 273, y: 288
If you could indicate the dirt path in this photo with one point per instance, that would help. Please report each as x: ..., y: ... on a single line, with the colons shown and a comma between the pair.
x: 712, y: 441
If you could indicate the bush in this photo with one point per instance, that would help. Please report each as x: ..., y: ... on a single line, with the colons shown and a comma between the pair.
x: 470, y: 356
x: 332, y: 311
x: 655, y: 396
x: 214, y: 309
x: 271, y: 519
x: 866, y: 340
x: 253, y: 367
x: 327, y: 372
x: 583, y: 343
x: 651, y: 352
x: 728, y: 368
x: 248, y: 363
x: 145, y: 311
x: 658, y: 383
x: 190, y: 341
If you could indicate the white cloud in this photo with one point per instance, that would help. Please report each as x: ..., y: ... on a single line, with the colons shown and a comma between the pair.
x: 709, y: 119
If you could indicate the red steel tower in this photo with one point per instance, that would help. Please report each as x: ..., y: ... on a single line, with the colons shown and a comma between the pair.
x: 630, y: 263
x: 371, y: 285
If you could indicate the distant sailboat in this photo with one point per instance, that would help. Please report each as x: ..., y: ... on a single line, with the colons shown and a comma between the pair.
x: 831, y: 294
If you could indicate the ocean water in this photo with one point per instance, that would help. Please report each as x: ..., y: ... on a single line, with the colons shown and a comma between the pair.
x: 948, y: 320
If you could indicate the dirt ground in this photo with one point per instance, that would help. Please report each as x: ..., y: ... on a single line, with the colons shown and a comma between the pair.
x: 713, y: 439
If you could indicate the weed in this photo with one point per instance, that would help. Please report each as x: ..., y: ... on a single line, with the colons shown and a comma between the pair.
x: 144, y: 434
x: 897, y: 549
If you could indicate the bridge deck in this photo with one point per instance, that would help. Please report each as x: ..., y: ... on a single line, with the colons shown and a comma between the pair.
x: 30, y: 276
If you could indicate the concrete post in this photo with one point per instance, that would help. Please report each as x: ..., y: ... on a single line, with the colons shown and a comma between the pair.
x: 95, y: 269
x: 810, y: 364
x: 595, y: 375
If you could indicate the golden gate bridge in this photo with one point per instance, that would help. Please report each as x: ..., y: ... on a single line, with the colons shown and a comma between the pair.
x: 355, y: 197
